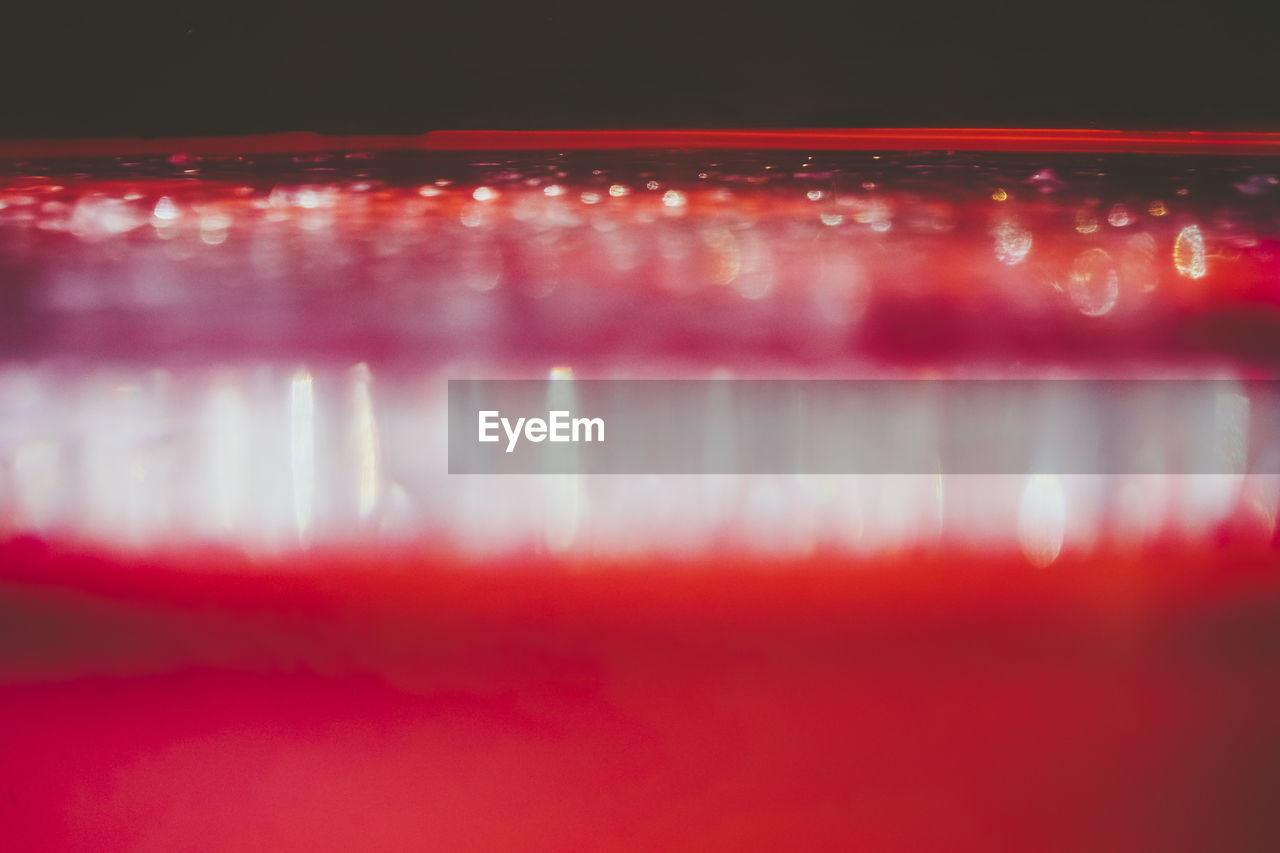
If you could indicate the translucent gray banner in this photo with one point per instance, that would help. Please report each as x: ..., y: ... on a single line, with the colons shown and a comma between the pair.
x: 724, y: 426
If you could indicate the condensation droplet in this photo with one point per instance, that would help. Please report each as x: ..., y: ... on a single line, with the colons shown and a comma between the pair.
x: 674, y: 198
x: 1256, y: 184
x: 1188, y: 252
x: 100, y: 218
x: 754, y: 266
x: 1118, y: 217
x: 1138, y: 263
x: 1012, y: 243
x: 725, y: 262
x: 484, y: 194
x: 308, y: 198
x: 213, y: 228
x: 165, y: 210
x: 1093, y: 283
x: 1043, y: 177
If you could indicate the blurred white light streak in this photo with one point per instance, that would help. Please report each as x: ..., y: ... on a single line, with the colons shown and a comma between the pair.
x: 366, y: 438
x: 302, y: 452
x: 228, y: 445
x: 1042, y: 519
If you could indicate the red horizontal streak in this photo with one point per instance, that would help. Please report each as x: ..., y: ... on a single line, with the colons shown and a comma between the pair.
x: 272, y: 143
x: 950, y: 139
x: 913, y: 139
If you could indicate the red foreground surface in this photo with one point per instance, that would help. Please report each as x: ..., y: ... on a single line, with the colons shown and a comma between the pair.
x: 334, y: 703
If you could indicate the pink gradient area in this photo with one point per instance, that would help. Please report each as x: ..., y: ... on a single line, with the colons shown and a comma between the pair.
x: 338, y: 703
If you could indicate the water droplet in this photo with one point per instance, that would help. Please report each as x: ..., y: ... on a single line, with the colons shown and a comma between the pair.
x: 724, y: 254
x: 1012, y: 243
x: 1138, y: 263
x: 876, y: 214
x: 1188, y: 252
x: 651, y: 185
x: 755, y: 262
x: 1000, y: 195
x: 484, y: 194
x: 165, y: 210
x: 1256, y: 184
x: 590, y: 198
x: 674, y: 198
x: 619, y: 190
x: 1043, y: 177
x: 100, y: 218
x: 1093, y: 283
x: 1157, y: 208
x: 553, y: 191
x: 1118, y: 217
x: 814, y: 195
x: 1086, y: 222
x: 213, y: 228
